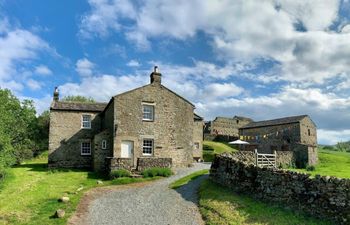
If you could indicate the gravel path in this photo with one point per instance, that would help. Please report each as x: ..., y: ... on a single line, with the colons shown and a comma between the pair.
x: 153, y: 203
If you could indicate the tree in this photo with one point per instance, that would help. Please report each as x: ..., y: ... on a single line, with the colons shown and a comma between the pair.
x: 43, y: 123
x: 78, y: 98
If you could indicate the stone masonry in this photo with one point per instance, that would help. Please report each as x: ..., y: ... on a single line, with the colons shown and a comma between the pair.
x: 174, y: 132
x: 297, y: 134
x: 324, y: 197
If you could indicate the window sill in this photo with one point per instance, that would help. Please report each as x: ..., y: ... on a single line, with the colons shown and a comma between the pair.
x: 86, y: 128
x: 85, y: 154
x: 143, y: 120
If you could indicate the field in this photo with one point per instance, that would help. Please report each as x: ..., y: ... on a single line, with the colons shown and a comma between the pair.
x: 210, y: 148
x: 331, y: 163
x: 29, y: 195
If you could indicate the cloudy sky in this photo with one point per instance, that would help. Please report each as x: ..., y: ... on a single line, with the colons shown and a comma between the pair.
x: 260, y: 59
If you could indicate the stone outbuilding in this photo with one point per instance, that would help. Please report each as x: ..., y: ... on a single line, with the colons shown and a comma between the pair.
x: 224, y: 128
x: 296, y: 134
x: 150, y: 126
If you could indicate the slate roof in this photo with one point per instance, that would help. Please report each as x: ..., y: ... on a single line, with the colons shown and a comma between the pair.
x: 196, y: 117
x: 279, y: 121
x: 78, y: 106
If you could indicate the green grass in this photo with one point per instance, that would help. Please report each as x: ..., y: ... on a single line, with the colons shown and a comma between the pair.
x: 218, y: 147
x: 331, y: 163
x: 30, y: 192
x: 219, y: 205
x: 186, y: 179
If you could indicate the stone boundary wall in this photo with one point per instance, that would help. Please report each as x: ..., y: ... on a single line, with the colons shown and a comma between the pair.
x: 323, y: 197
x: 283, y: 157
x: 118, y: 163
x: 146, y: 163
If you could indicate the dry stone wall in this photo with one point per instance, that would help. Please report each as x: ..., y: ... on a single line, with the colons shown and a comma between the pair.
x: 146, y: 163
x: 324, y: 197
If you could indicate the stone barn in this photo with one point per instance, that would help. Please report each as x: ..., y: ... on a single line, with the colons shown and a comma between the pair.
x: 224, y: 128
x: 296, y: 134
x: 150, y: 126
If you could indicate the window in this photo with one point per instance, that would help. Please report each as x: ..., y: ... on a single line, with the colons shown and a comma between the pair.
x: 196, y: 145
x: 85, y: 148
x: 147, y: 147
x: 237, y: 121
x: 104, y: 144
x: 308, y: 132
x: 148, y: 112
x: 86, y: 121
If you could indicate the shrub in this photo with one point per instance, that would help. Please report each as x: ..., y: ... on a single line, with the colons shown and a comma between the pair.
x: 208, y: 148
x: 119, y: 173
x: 157, y: 171
x: 310, y: 168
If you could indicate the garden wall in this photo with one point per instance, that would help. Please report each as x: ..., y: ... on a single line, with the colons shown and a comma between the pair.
x: 323, y: 197
x: 146, y: 163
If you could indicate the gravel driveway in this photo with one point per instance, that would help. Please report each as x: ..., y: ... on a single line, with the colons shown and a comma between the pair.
x: 153, y: 203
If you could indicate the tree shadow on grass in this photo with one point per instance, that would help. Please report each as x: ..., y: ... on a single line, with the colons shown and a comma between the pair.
x: 189, y: 191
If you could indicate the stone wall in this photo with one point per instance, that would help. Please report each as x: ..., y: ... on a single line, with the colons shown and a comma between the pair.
x: 198, y: 140
x: 65, y: 136
x: 324, y: 197
x: 119, y: 163
x: 284, y: 158
x: 145, y: 163
x: 99, y: 155
x: 227, y: 127
x: 171, y: 129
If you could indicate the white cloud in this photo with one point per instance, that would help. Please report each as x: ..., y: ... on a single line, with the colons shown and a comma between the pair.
x: 331, y: 137
x: 84, y: 67
x: 222, y: 90
x: 243, y: 31
x: 17, y: 46
x: 42, y: 70
x: 104, y: 16
x: 33, y: 84
x: 133, y: 63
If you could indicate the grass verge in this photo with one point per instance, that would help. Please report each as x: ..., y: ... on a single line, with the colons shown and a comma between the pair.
x: 178, y: 183
x: 219, y: 205
x: 30, y: 193
x: 210, y: 148
x: 331, y: 163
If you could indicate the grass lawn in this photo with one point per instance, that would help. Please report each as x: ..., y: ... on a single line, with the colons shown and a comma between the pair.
x: 29, y: 194
x: 210, y: 148
x: 188, y: 178
x: 219, y: 205
x: 331, y: 163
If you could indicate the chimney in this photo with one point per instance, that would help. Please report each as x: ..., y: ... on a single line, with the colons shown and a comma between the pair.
x: 156, y: 76
x: 56, y: 94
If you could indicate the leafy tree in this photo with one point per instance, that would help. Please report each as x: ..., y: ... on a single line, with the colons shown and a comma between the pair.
x: 343, y: 146
x: 43, y: 123
x: 78, y: 98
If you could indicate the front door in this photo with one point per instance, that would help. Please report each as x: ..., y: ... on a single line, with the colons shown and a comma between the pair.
x: 128, y: 150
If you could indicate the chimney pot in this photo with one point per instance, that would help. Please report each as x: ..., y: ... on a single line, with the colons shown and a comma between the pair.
x: 56, y: 94
x: 156, y: 76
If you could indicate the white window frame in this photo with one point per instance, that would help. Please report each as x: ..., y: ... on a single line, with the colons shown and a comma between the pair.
x: 104, y: 144
x: 151, y: 147
x: 145, y: 105
x: 82, y: 121
x: 84, y: 148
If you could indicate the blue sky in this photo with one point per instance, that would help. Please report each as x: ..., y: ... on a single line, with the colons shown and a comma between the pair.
x: 260, y: 59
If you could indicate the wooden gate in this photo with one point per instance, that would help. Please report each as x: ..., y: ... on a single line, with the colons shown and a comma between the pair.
x: 265, y: 160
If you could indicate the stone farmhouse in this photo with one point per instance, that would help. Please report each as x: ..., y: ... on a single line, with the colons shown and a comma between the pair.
x: 150, y: 126
x: 223, y: 128
x: 296, y: 134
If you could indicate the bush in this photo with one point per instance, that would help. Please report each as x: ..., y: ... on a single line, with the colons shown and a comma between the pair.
x: 157, y: 171
x: 119, y: 173
x: 208, y: 148
x: 310, y: 168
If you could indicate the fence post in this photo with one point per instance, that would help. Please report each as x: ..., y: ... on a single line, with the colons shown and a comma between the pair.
x: 256, y: 157
x: 275, y: 152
